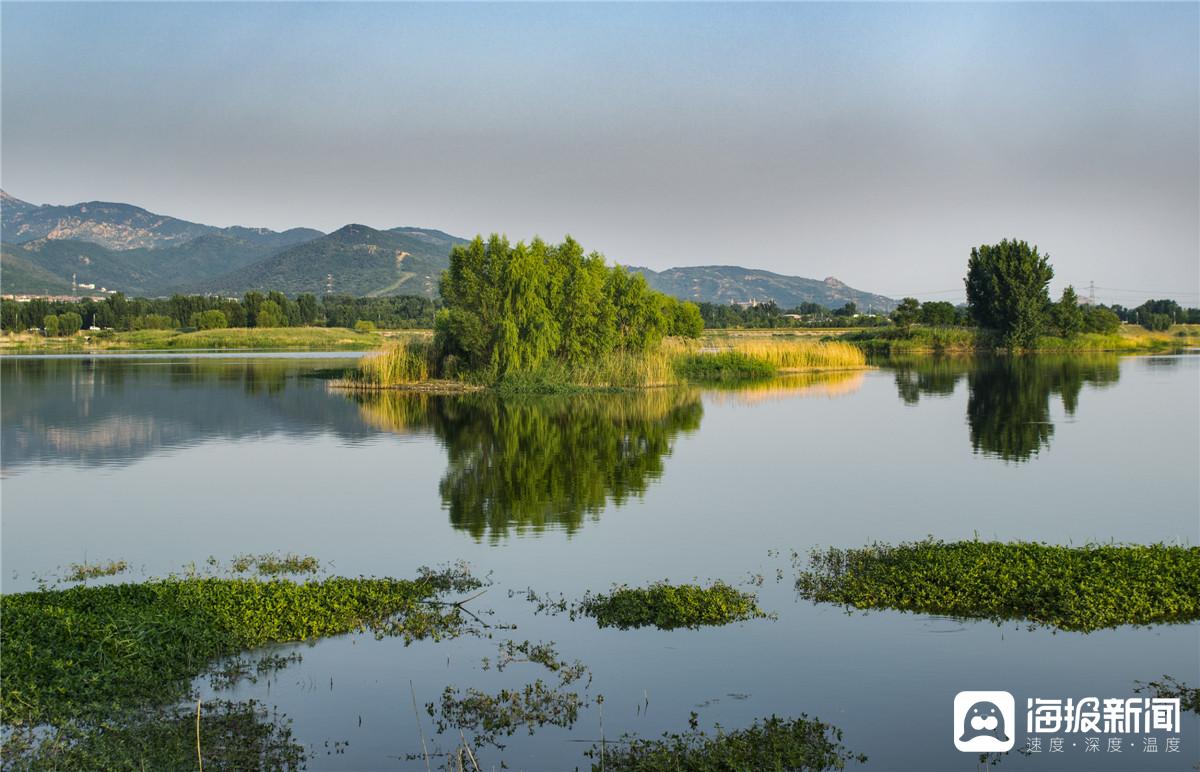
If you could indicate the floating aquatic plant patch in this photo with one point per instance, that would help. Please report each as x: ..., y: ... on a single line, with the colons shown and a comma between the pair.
x: 81, y: 572
x: 274, y: 564
x: 778, y: 744
x: 669, y: 606
x: 85, y: 652
x: 1069, y: 588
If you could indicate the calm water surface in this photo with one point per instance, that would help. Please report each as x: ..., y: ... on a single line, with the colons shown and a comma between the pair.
x: 166, y: 461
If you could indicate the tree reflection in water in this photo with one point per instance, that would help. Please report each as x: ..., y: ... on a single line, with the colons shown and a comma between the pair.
x: 1008, y: 403
x: 532, y: 463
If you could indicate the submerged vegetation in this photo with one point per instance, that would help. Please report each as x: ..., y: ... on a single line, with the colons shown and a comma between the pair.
x: 228, y: 736
x: 670, y: 606
x: 490, y: 717
x: 783, y: 745
x: 1068, y: 588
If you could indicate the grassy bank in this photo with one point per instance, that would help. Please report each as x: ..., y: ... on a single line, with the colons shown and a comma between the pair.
x: 1069, y: 588
x: 414, y: 364
x: 965, y: 340
x: 265, y: 338
x: 84, y: 653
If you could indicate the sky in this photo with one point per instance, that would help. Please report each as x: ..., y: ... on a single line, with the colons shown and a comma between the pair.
x: 874, y: 143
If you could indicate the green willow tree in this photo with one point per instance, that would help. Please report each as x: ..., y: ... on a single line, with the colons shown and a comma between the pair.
x: 1006, y: 290
x: 520, y: 308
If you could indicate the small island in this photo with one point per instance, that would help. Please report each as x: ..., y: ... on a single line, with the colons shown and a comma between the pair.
x: 542, y: 317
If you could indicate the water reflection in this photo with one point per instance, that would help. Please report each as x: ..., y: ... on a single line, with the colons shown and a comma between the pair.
x: 838, y: 383
x: 1008, y: 400
x: 93, y: 412
x: 532, y: 463
x: 928, y: 376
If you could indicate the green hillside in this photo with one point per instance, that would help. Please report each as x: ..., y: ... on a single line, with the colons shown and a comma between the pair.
x: 20, y: 276
x: 362, y: 261
x: 90, y: 263
x: 732, y: 283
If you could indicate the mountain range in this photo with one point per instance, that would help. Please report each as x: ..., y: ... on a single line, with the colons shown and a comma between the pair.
x: 58, y: 250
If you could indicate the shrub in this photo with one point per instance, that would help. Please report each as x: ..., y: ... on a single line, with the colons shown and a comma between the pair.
x: 69, y: 323
x: 362, y: 325
x: 213, y: 319
x: 151, y: 322
x: 722, y: 366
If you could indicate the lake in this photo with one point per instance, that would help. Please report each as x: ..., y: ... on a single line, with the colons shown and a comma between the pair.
x: 166, y: 460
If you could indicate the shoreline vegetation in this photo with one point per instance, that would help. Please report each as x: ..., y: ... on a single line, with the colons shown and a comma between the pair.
x: 890, y: 341
x: 412, y: 365
x: 240, y: 338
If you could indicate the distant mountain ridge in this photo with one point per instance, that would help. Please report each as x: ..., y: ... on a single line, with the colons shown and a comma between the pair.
x: 734, y: 284
x: 357, y: 259
x: 121, y: 226
x: 45, y: 249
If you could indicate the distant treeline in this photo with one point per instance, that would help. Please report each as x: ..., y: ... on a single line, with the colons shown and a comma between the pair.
x: 1153, y: 315
x: 769, y: 315
x: 1157, y: 314
x: 255, y: 309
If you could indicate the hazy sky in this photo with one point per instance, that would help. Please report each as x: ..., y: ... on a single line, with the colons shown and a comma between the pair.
x: 875, y: 143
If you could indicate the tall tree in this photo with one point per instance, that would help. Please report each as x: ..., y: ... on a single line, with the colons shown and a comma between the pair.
x: 1066, y: 314
x: 1006, y: 290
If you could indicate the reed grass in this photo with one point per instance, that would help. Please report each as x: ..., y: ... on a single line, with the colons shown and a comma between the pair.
x: 406, y: 362
x: 796, y: 354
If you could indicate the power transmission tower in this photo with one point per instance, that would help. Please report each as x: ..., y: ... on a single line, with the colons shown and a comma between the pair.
x: 1091, y: 293
x: 328, y: 284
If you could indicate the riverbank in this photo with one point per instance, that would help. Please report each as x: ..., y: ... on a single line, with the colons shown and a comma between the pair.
x: 968, y: 340
x: 260, y: 338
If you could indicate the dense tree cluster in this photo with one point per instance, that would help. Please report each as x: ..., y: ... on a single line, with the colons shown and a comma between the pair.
x: 204, y: 312
x: 513, y: 308
x: 1007, y: 293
